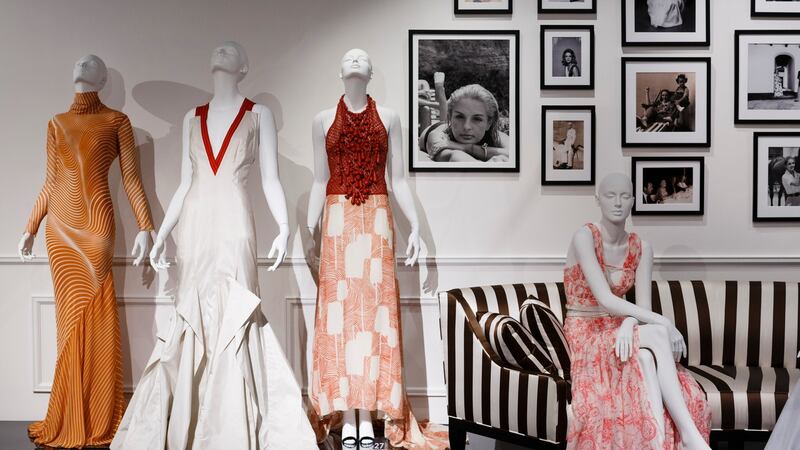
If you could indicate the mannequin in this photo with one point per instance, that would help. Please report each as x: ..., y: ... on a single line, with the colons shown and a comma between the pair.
x: 218, y: 377
x: 604, y: 258
x: 81, y: 146
x: 356, y: 393
x: 89, y: 75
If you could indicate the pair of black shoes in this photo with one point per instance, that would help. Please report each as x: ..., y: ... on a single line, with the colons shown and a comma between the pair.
x: 362, y: 443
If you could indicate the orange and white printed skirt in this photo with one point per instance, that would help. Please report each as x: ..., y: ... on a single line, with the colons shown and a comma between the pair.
x: 357, y: 352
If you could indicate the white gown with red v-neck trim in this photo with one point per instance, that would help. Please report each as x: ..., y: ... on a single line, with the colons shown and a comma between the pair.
x: 217, y: 377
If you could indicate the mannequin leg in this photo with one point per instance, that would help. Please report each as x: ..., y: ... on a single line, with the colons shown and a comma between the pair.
x: 648, y: 365
x: 349, y: 429
x: 366, y: 434
x: 655, y: 338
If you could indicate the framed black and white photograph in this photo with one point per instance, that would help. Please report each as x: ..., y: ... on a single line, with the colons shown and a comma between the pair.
x: 774, y: 8
x: 567, y: 6
x: 568, y: 144
x: 668, y: 185
x: 666, y: 102
x: 464, y: 100
x: 767, y: 77
x: 482, y: 6
x: 776, y: 180
x: 666, y: 23
x: 567, y: 57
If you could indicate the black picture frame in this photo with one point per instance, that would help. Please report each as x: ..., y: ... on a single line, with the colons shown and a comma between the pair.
x: 699, y: 160
x: 548, y: 147
x: 627, y: 42
x: 755, y: 13
x: 544, y: 29
x: 513, y: 119
x: 756, y: 172
x: 706, y: 137
x: 737, y: 110
x: 459, y: 11
x: 590, y: 10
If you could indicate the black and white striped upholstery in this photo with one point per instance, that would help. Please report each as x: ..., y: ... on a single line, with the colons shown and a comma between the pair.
x: 547, y: 328
x: 742, y: 341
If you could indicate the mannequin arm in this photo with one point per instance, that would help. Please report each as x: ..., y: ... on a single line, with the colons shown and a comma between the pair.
x: 400, y: 188
x: 132, y: 181
x: 316, y: 199
x: 644, y: 278
x: 271, y: 183
x: 157, y: 259
x: 40, y: 207
x: 584, y: 248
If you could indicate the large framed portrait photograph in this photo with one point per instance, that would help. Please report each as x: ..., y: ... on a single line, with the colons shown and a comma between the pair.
x: 666, y: 102
x: 668, y: 185
x: 567, y: 57
x: 567, y: 6
x: 482, y: 6
x: 464, y: 100
x: 568, y: 145
x: 767, y: 77
x: 666, y: 23
x: 776, y: 180
x: 774, y: 8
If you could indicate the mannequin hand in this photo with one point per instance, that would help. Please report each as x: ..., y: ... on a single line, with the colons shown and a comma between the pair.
x: 623, y: 347
x: 140, y: 247
x: 157, y: 255
x: 676, y: 342
x: 312, y: 258
x: 412, y: 252
x: 25, y: 247
x: 278, y: 249
x: 438, y: 78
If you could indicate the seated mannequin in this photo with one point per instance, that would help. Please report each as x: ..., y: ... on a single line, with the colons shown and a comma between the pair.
x: 623, y: 354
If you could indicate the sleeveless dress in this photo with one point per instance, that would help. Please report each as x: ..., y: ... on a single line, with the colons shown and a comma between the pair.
x: 357, y: 349
x: 610, y: 406
x: 86, y: 401
x: 217, y: 378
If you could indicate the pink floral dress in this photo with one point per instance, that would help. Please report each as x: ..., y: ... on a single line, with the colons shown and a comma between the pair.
x: 610, y: 406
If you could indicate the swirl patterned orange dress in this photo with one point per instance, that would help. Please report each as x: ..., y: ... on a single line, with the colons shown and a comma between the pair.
x: 610, y: 407
x: 86, y: 401
x: 357, y: 350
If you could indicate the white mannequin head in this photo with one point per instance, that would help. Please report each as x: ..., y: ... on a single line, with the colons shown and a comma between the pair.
x: 231, y: 58
x: 615, y: 197
x: 89, y: 74
x: 356, y: 64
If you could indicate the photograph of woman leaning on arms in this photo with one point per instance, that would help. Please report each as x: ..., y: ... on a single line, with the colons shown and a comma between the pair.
x: 623, y: 354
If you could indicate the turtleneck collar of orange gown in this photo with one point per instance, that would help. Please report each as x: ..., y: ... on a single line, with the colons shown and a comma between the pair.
x: 86, y: 103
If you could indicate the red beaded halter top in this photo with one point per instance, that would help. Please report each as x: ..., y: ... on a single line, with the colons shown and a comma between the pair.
x: 357, y: 146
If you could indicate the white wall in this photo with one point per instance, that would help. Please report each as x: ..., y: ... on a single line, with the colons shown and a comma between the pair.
x: 478, y: 228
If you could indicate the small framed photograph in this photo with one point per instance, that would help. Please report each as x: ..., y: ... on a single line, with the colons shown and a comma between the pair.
x: 774, y: 8
x: 567, y: 6
x: 767, y: 76
x: 567, y: 57
x: 666, y: 102
x: 668, y: 186
x: 464, y: 117
x: 776, y: 180
x: 666, y: 23
x: 568, y: 145
x: 482, y: 6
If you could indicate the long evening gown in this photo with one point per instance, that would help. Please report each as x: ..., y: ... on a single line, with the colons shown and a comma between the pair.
x: 217, y: 378
x: 610, y: 406
x: 86, y: 401
x: 358, y: 354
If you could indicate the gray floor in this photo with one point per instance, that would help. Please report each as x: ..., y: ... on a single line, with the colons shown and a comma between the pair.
x: 14, y: 437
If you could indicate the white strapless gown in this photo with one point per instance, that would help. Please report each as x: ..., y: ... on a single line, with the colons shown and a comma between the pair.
x: 217, y: 378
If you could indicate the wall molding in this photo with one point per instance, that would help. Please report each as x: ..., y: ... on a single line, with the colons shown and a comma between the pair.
x: 490, y: 261
x: 40, y: 385
x: 295, y: 306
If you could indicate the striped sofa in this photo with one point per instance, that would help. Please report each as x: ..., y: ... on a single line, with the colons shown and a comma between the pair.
x: 742, y: 340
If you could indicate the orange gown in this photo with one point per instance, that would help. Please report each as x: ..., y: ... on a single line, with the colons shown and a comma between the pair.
x: 86, y: 401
